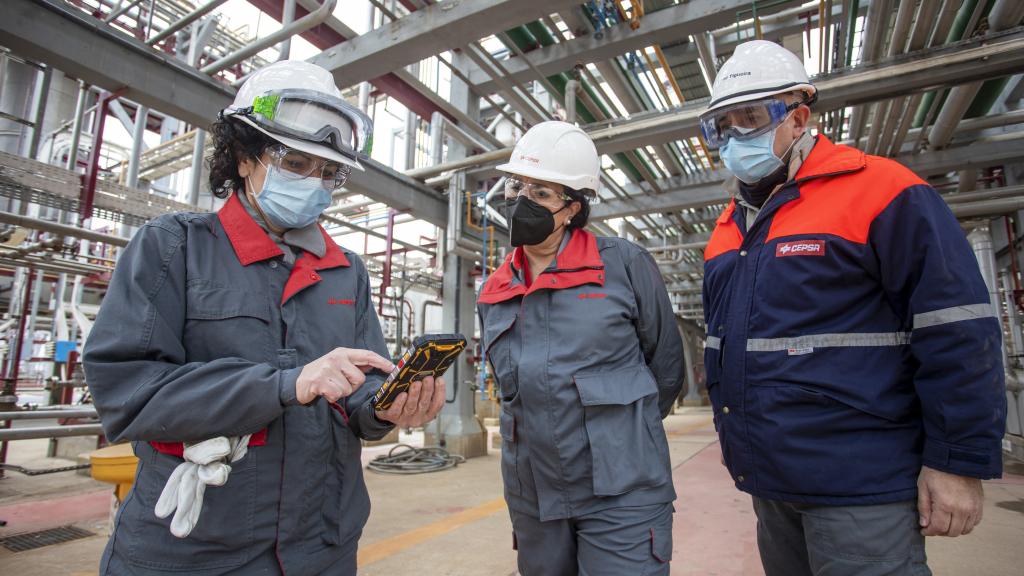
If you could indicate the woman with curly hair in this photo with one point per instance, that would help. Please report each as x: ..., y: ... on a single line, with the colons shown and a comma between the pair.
x: 239, y: 352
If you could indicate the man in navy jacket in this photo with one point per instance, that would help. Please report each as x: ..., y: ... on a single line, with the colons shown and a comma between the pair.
x: 853, y: 355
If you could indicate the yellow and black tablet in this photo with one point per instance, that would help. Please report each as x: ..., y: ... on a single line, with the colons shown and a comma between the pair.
x: 430, y: 355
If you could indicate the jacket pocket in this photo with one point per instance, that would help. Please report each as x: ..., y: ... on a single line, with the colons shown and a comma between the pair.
x: 223, y: 536
x: 498, y: 347
x: 222, y: 322
x: 509, y: 464
x: 621, y: 414
x: 333, y: 478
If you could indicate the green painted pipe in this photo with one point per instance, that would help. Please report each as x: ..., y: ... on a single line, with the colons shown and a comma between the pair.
x: 986, y: 97
x: 851, y: 27
x: 956, y: 33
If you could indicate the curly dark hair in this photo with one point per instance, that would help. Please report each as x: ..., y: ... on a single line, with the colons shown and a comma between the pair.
x: 233, y: 141
x: 581, y: 217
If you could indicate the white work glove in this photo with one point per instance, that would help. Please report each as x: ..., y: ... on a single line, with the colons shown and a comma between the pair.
x: 206, y: 464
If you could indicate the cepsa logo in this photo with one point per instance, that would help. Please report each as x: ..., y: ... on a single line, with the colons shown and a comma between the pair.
x: 800, y: 248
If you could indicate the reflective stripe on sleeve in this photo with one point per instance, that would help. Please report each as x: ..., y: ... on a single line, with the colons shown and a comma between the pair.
x: 954, y: 314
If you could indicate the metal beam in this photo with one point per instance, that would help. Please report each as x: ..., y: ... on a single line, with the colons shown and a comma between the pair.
x: 771, y: 29
x: 399, y: 192
x: 332, y: 33
x: 980, y: 58
x: 664, y: 26
x: 42, y: 30
x: 88, y: 49
x: 694, y: 192
x: 413, y: 37
x: 457, y: 116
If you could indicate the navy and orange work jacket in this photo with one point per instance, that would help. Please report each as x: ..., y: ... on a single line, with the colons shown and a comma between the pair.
x: 851, y: 338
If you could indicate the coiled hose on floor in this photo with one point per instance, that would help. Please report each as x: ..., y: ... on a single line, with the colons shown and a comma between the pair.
x: 405, y: 459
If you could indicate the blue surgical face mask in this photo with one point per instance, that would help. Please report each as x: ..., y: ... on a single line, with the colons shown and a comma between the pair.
x: 753, y: 159
x: 292, y: 202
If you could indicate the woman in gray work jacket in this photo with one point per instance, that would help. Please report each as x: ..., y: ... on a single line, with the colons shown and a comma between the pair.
x: 584, y: 344
x: 241, y: 339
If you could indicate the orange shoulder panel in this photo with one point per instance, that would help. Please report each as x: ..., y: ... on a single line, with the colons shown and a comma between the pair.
x: 726, y: 237
x: 844, y: 205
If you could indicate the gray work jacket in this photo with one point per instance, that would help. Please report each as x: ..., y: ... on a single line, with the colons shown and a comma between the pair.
x: 589, y: 360
x: 202, y: 333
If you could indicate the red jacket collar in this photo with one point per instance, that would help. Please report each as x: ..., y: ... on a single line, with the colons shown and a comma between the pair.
x: 827, y: 159
x: 579, y: 263
x: 252, y: 244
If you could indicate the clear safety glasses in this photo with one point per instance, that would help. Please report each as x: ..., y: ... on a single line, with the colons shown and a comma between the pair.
x: 313, y: 117
x: 296, y: 165
x: 539, y: 193
x: 743, y: 120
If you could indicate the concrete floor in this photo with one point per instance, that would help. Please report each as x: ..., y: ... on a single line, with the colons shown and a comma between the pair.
x: 455, y: 523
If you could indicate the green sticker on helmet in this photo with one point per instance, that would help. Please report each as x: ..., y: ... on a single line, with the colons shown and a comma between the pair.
x: 266, y: 106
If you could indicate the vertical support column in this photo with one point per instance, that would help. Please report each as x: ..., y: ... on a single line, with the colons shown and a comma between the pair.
x: 42, y: 94
x: 364, y: 87
x: 570, y: 100
x: 197, y: 167
x: 287, y: 17
x: 457, y: 428
x: 9, y: 398
x: 693, y: 396
x: 76, y: 127
x: 139, y: 132
x: 436, y: 138
x: 36, y: 294
x: 92, y: 171
x: 980, y: 239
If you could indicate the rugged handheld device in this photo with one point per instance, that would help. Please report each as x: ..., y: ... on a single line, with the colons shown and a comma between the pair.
x: 430, y: 355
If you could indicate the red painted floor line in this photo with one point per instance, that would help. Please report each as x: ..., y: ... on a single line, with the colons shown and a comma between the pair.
x: 53, y: 512
x: 714, y: 533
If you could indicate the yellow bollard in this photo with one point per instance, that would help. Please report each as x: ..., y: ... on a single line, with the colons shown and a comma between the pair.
x: 115, y: 465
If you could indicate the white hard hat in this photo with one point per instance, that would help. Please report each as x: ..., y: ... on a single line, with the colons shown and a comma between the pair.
x: 758, y: 69
x: 557, y: 152
x: 297, y: 104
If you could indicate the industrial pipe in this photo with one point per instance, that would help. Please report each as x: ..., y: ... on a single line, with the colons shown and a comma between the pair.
x: 987, y: 207
x: 41, y: 432
x: 63, y: 229
x: 116, y: 13
x: 314, y: 18
x: 989, y: 194
x: 198, y: 149
x: 373, y: 233
x: 49, y: 414
x: 287, y: 17
x: 138, y: 133
x: 687, y: 246
x: 492, y: 157
x: 570, y: 100
x: 436, y: 138
x: 185, y: 21
x: 423, y: 314
x: 76, y: 129
x: 1005, y: 14
x: 980, y: 240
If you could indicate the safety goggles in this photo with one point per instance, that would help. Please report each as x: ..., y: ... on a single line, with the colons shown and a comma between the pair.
x: 743, y: 120
x: 313, y: 117
x: 296, y: 165
x: 539, y: 193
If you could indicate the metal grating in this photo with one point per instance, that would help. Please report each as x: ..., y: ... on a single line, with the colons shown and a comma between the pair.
x: 33, y: 540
